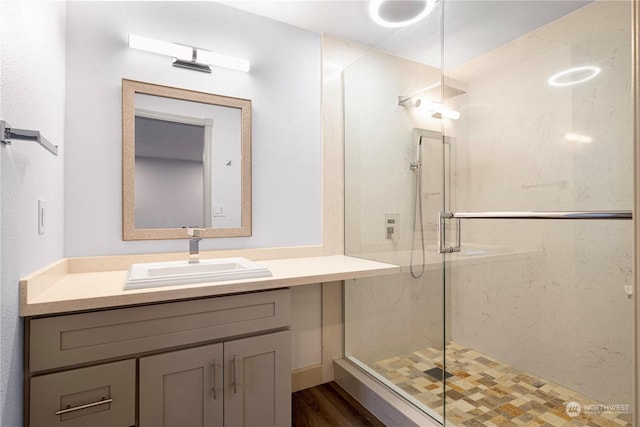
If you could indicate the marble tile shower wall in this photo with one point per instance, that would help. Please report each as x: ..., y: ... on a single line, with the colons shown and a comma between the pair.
x: 380, y: 142
x: 563, y: 316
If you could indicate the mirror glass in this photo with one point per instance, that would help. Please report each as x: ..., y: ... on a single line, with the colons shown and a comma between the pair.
x: 186, y: 162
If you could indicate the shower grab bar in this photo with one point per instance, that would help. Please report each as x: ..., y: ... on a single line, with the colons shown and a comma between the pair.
x: 590, y: 215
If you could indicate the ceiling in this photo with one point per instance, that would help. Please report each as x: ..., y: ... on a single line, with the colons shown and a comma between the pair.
x: 471, y: 27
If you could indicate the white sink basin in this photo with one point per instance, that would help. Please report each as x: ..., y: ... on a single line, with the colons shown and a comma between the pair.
x: 155, y: 274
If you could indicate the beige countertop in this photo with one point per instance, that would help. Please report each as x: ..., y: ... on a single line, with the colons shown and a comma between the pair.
x: 63, y: 287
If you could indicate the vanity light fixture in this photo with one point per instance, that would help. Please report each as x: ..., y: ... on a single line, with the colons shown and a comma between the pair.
x: 574, y: 76
x: 399, y: 13
x: 188, y: 57
x: 436, y: 109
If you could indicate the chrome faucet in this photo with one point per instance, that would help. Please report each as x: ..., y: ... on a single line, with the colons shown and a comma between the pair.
x: 194, y: 244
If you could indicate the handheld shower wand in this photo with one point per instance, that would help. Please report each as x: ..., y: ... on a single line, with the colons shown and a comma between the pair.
x: 417, y: 168
x: 415, y: 165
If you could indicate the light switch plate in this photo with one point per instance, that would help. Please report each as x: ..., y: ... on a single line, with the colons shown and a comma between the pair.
x: 42, y: 216
x: 218, y: 211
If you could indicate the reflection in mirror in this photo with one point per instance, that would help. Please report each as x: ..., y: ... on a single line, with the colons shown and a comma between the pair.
x: 186, y: 162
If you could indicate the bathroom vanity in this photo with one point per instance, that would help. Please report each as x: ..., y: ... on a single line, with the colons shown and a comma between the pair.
x: 204, y: 354
x: 190, y: 365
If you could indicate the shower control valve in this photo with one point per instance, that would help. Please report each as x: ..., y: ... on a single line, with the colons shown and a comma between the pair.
x: 392, y: 226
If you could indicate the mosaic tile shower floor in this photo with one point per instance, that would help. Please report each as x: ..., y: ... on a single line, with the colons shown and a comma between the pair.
x: 485, y: 392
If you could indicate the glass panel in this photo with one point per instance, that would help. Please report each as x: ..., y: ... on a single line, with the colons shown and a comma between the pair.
x: 540, y: 326
x: 394, y: 325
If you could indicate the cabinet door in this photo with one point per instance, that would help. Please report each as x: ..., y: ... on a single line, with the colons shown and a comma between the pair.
x: 258, y: 381
x: 102, y: 395
x: 182, y: 388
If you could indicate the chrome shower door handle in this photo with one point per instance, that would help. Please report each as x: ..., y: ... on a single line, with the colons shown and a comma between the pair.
x: 443, y: 248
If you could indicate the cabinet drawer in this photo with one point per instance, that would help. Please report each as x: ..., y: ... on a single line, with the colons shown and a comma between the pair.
x: 80, y: 338
x: 102, y: 395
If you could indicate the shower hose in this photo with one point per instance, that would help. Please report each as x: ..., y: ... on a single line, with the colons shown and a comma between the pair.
x: 417, y: 214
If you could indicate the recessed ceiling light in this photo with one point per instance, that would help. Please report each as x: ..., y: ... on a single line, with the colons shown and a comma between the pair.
x: 574, y: 76
x: 399, y: 13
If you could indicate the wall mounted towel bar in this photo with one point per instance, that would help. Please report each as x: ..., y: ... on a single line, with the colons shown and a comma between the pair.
x: 7, y: 133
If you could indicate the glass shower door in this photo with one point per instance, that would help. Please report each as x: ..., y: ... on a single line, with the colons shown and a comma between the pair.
x: 394, y: 325
x: 538, y: 243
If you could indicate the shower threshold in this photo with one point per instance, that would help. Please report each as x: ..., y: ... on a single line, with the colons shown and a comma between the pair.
x: 481, y: 391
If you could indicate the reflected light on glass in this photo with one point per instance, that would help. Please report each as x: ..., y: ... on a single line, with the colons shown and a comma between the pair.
x: 576, y: 137
x: 436, y: 109
x: 583, y: 74
x: 399, y: 13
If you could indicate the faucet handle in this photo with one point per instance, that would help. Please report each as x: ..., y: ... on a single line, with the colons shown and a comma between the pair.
x: 194, y: 232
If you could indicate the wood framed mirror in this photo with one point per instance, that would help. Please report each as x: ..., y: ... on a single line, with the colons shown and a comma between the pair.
x: 186, y: 162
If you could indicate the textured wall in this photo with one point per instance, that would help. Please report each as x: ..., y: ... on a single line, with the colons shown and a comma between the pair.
x: 284, y: 86
x: 33, y: 96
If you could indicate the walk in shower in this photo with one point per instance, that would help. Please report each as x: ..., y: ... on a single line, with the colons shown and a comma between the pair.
x: 523, y: 145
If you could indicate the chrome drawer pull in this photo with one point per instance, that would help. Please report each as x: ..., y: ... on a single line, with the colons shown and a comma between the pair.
x: 235, y: 374
x: 214, y: 368
x: 103, y: 401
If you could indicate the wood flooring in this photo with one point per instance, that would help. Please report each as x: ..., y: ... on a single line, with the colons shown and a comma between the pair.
x: 328, y: 405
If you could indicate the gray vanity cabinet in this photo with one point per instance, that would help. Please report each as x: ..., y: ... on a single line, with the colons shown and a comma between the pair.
x: 182, y: 388
x: 219, y: 361
x: 242, y: 382
x: 98, y: 396
x: 258, y: 381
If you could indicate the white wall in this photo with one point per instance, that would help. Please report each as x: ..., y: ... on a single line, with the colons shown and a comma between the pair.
x: 283, y: 84
x: 32, y: 84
